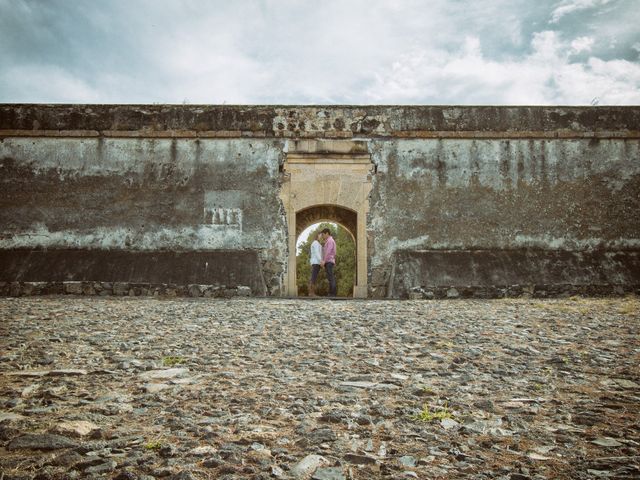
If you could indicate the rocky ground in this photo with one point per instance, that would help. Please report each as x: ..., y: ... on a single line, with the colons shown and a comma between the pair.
x: 143, y: 388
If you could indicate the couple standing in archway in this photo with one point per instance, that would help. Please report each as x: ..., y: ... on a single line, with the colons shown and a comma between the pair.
x: 323, y: 255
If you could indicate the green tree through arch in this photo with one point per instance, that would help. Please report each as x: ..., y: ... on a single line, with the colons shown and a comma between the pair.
x: 345, y: 263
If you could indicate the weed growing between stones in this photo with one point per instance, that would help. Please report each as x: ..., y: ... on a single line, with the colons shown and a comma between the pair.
x: 576, y: 306
x: 427, y: 391
x: 426, y: 415
x: 172, y: 361
x: 630, y: 306
x: 154, y: 445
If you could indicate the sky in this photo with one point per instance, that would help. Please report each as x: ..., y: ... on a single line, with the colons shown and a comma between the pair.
x: 432, y: 52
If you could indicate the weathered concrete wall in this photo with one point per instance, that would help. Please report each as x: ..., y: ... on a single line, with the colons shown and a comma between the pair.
x: 220, y: 272
x: 533, y: 186
x: 144, y: 195
x: 468, y: 194
x: 505, y: 272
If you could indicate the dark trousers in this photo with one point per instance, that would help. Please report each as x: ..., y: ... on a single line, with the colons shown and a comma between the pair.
x: 315, y: 269
x: 332, y: 279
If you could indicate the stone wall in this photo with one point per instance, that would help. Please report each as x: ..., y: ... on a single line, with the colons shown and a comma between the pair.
x: 117, y: 183
x: 500, y: 273
x: 140, y: 196
x: 193, y: 272
x: 502, y: 195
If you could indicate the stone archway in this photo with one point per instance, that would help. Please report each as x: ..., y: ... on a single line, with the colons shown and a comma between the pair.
x: 327, y: 180
x: 327, y: 213
x: 345, y: 220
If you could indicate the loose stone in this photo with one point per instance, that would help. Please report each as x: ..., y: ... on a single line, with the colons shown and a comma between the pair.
x: 606, y: 442
x: 78, y: 428
x: 359, y: 459
x: 164, y: 374
x: 307, y: 466
x: 102, y: 468
x: 407, y: 461
x: 330, y: 473
x: 46, y: 441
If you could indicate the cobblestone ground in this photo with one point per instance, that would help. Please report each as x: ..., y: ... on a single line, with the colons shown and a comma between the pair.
x: 257, y: 388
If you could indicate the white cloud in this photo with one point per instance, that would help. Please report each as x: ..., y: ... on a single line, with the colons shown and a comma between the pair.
x: 546, y: 76
x: 570, y: 6
x: 582, y: 44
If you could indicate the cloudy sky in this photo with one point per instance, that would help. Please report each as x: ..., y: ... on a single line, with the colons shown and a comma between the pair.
x: 575, y: 52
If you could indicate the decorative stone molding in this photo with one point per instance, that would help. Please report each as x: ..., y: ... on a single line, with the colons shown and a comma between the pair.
x: 327, y: 180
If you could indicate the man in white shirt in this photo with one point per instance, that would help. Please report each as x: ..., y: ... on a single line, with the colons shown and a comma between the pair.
x: 315, y: 258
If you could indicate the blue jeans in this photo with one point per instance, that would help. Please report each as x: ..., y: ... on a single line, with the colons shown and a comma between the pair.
x: 332, y: 279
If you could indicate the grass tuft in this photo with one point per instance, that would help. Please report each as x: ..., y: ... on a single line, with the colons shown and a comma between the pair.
x: 630, y: 306
x: 426, y: 415
x: 172, y: 361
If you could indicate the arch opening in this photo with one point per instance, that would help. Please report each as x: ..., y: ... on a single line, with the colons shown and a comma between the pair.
x: 327, y: 213
x: 345, y: 266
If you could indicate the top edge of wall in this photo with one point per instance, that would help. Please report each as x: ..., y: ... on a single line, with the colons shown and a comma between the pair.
x: 317, y: 121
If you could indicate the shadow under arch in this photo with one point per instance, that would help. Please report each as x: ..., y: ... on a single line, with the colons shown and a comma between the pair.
x: 328, y: 213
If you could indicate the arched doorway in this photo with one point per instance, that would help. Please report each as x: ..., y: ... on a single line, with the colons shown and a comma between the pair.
x: 345, y: 267
x: 327, y: 180
x: 336, y: 214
